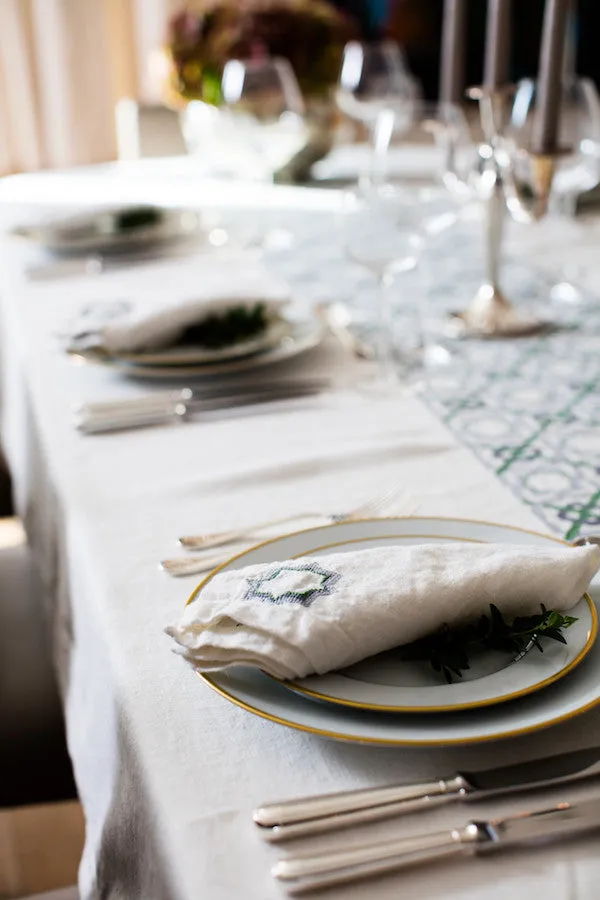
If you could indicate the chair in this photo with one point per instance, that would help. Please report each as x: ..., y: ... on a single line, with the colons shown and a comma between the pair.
x: 40, y: 849
x: 40, y: 840
x: 147, y: 130
x: 33, y: 756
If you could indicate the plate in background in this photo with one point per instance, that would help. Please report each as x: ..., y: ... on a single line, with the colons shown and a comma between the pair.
x: 100, y: 232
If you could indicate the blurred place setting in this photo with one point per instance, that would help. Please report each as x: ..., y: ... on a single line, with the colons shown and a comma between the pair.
x: 299, y: 470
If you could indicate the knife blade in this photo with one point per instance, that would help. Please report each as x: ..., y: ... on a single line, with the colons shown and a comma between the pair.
x: 314, y: 815
x: 307, y: 872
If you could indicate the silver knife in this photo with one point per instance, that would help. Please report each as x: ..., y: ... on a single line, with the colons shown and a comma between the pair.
x: 179, y: 406
x: 308, y: 872
x: 314, y: 815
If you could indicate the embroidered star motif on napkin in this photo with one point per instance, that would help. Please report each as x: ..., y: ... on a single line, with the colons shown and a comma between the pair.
x: 302, y: 584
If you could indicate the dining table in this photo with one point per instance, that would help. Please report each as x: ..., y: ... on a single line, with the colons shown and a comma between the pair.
x: 167, y: 770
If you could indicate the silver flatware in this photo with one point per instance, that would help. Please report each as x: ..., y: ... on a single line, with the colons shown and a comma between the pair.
x: 209, y: 392
x: 404, y: 504
x: 192, y: 565
x: 308, y: 872
x: 316, y: 815
x: 180, y: 406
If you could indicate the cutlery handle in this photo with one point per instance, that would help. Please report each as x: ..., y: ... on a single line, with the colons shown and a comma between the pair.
x: 303, y: 809
x: 219, y: 538
x: 278, y: 834
x: 308, y: 872
x: 180, y: 568
x: 96, y: 422
x: 160, y: 400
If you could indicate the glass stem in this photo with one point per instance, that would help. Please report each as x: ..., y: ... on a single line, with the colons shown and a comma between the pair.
x: 568, y: 205
x: 386, y: 330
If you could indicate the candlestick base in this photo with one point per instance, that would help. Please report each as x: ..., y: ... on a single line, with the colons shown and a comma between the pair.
x: 492, y: 315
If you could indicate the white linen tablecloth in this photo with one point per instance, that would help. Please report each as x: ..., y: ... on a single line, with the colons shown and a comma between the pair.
x: 167, y: 770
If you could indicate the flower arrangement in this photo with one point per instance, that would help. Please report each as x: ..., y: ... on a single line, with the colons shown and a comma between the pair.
x: 310, y: 34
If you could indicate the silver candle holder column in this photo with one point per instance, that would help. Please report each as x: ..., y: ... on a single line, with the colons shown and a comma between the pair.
x: 491, y: 314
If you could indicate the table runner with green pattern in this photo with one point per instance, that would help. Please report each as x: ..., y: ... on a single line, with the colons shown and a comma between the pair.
x: 528, y: 408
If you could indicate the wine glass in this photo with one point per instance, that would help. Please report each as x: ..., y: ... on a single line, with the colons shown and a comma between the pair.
x: 372, y: 77
x: 263, y: 107
x: 389, y: 219
x: 378, y: 238
x: 577, y: 164
x: 429, y: 142
x: 260, y: 124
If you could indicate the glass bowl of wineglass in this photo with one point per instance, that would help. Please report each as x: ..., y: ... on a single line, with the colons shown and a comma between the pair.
x: 260, y: 125
x: 577, y: 164
x: 389, y: 219
x: 373, y: 77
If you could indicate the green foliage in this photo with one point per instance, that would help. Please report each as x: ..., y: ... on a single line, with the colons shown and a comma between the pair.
x: 202, y: 37
x: 449, y: 650
x: 224, y: 329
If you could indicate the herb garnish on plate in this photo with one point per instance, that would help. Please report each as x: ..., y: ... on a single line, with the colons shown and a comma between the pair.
x: 449, y: 649
x: 226, y: 328
x: 126, y: 220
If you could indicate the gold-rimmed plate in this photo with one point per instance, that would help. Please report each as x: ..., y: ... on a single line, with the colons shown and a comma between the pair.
x: 301, y: 335
x: 262, y: 695
x: 387, y: 683
x: 113, y: 231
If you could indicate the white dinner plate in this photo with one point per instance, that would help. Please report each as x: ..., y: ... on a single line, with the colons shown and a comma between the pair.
x: 272, y: 335
x: 385, y: 683
x: 301, y: 336
x: 264, y: 696
x: 95, y: 233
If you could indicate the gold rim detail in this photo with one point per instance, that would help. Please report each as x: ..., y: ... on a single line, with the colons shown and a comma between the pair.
x: 402, y: 742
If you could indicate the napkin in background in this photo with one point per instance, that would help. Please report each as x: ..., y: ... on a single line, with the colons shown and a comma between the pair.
x: 313, y: 615
x: 157, y: 318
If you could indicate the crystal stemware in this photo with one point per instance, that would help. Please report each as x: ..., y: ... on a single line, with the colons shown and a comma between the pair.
x: 259, y: 126
x: 263, y: 106
x: 577, y: 163
x: 430, y: 144
x: 378, y: 237
x: 373, y: 77
x: 390, y: 217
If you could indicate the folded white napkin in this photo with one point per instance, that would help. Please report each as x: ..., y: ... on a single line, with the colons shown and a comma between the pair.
x: 308, y: 615
x: 157, y: 319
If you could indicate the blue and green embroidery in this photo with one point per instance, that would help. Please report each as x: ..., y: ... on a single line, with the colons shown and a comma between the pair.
x: 293, y: 583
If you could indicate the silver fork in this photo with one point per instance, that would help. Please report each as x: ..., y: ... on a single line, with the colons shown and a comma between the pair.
x: 365, y: 510
x: 196, y: 565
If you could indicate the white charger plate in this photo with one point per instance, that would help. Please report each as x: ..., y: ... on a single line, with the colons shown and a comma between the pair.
x: 385, y: 683
x: 302, y: 336
x: 274, y: 333
x: 263, y: 696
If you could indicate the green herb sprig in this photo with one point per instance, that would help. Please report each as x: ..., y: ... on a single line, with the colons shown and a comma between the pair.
x: 449, y: 650
x: 227, y: 328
